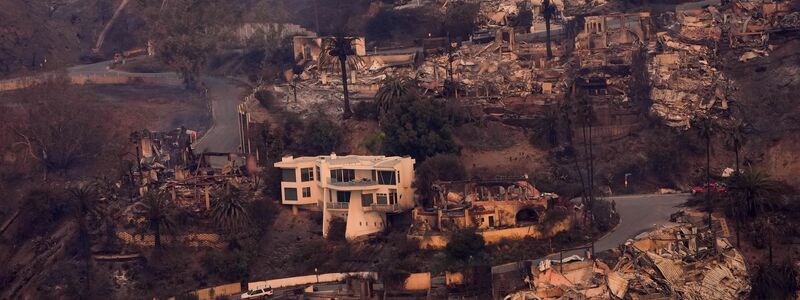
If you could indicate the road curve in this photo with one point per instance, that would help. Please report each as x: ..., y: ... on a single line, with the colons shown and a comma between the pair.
x: 638, y: 213
x: 225, y: 95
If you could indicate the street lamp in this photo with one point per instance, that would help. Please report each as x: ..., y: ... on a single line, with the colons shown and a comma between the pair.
x: 316, y: 272
x: 626, y: 179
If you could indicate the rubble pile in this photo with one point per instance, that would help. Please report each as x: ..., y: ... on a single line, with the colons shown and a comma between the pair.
x: 674, y: 261
x: 484, y: 71
x: 685, y: 81
x: 167, y: 162
x: 750, y: 23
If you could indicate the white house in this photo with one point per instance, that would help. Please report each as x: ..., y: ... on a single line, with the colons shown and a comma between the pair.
x: 359, y: 190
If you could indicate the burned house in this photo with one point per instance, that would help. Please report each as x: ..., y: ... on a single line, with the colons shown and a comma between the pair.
x: 753, y: 25
x: 498, y: 208
x: 610, y: 53
x: 167, y: 162
x: 318, y: 84
x: 677, y: 261
x: 685, y: 80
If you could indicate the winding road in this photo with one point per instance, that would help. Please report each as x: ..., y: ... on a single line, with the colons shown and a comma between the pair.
x: 638, y: 213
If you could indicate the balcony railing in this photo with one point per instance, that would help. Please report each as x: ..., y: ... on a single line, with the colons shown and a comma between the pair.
x: 338, y: 205
x: 383, y: 207
x: 357, y: 182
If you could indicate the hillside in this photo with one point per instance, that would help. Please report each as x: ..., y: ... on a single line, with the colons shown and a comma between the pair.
x: 46, y: 35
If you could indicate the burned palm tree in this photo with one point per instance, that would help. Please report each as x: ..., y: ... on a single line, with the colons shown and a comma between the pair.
x: 548, y: 11
x: 340, y: 50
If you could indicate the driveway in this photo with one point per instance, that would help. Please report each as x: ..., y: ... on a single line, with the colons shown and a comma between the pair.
x: 225, y: 95
x: 223, y: 136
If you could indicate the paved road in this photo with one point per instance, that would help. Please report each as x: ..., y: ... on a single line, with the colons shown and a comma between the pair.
x: 639, y: 213
x: 225, y: 95
x: 223, y: 136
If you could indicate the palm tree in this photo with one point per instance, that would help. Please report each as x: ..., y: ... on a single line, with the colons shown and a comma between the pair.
x: 157, y: 209
x: 735, y: 140
x: 341, y: 48
x: 230, y: 212
x: 705, y: 129
x: 392, y: 91
x: 86, y: 204
x: 736, y: 210
x: 766, y: 230
x: 546, y: 127
x: 548, y: 11
x: 587, y: 118
x: 756, y: 192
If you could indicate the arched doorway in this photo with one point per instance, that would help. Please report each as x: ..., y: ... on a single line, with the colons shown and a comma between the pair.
x: 527, y: 216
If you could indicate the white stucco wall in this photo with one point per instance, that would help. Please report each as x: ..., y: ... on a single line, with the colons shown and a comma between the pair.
x: 359, y: 222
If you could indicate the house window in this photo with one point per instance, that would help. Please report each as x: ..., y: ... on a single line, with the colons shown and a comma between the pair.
x: 306, y: 192
x: 288, y: 175
x: 382, y: 198
x: 342, y: 196
x: 343, y: 175
x: 386, y: 177
x: 392, y: 196
x: 307, y: 174
x: 290, y: 194
x: 317, y: 173
x: 366, y: 199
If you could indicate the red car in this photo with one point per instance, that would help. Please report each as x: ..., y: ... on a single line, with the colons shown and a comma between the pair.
x: 716, y: 187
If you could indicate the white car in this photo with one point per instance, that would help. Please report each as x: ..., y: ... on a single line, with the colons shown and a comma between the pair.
x: 258, y: 293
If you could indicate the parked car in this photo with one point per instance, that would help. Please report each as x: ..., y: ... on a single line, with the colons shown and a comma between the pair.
x: 258, y: 293
x: 716, y: 187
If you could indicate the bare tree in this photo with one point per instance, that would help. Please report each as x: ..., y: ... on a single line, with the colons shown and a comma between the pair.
x: 59, y: 130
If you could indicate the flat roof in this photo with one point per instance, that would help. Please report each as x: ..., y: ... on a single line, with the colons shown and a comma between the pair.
x: 333, y: 160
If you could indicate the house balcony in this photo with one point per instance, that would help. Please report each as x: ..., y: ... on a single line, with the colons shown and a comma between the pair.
x: 358, y: 184
x: 387, y: 208
x: 338, y: 205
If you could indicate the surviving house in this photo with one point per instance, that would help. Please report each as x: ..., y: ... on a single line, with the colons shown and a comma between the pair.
x: 358, y: 190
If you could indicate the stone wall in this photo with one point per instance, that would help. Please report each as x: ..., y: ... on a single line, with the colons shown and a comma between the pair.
x: 439, y: 241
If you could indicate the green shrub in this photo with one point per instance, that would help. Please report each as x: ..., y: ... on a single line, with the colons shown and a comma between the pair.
x: 774, y: 282
x: 419, y: 129
x: 230, y: 266
x: 464, y: 248
x: 322, y: 135
x: 374, y: 142
x: 365, y: 110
